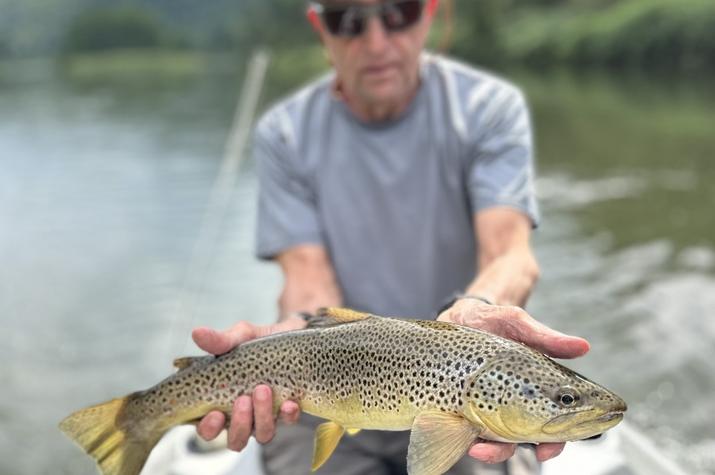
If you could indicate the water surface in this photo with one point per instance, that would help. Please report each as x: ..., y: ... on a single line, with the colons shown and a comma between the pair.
x: 103, y: 188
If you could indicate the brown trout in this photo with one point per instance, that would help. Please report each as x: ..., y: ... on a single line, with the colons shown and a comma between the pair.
x: 448, y: 384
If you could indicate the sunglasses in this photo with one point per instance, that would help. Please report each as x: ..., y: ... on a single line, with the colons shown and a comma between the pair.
x: 351, y: 20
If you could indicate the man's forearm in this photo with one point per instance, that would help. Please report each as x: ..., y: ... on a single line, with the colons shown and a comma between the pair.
x: 310, y: 281
x: 507, y: 267
x: 507, y: 279
x: 307, y: 298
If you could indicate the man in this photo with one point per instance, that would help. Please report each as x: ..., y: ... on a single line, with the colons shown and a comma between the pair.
x: 386, y: 187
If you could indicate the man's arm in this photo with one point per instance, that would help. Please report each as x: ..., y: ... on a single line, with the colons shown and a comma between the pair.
x: 309, y: 283
x: 507, y: 273
x: 507, y: 268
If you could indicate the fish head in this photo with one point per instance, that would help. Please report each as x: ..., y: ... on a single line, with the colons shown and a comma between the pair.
x: 527, y: 397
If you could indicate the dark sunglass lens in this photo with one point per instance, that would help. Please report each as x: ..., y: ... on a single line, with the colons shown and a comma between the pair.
x: 399, y: 15
x: 344, y: 21
x: 333, y: 19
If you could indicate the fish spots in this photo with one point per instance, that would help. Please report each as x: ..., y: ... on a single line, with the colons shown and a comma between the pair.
x: 373, y: 367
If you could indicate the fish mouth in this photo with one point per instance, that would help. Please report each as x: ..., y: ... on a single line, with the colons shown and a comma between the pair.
x: 605, y: 419
x: 608, y: 420
x: 608, y: 417
x: 583, y: 424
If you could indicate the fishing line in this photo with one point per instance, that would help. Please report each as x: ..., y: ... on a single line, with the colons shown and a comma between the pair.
x: 194, y: 281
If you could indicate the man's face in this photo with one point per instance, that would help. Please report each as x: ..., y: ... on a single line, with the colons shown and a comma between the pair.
x: 377, y: 67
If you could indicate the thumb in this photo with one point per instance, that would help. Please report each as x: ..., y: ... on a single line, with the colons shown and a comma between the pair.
x: 219, y: 342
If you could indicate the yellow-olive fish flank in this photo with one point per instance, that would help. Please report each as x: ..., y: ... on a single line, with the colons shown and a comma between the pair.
x: 446, y: 383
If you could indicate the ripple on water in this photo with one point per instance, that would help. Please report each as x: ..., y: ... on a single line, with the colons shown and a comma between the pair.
x: 697, y: 258
x: 677, y: 328
x: 674, y: 342
x: 563, y: 191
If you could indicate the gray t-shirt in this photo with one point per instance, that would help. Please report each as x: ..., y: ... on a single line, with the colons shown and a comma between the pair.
x: 394, y: 202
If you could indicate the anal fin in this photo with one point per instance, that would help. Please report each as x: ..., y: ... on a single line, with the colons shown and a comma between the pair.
x: 327, y: 436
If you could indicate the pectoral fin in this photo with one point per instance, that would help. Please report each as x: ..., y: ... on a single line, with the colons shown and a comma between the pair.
x: 438, y: 440
x: 327, y: 436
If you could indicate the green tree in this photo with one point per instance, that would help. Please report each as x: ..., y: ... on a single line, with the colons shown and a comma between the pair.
x: 278, y: 23
x: 478, y: 29
x: 107, y: 29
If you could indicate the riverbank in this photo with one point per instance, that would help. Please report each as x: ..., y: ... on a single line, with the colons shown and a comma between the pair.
x: 156, y: 64
x: 663, y: 35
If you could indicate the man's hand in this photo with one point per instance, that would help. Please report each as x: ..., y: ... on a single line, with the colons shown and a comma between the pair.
x: 251, y: 414
x: 516, y: 324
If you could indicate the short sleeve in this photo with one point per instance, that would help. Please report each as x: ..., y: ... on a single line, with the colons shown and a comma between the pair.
x: 502, y: 169
x: 287, y: 214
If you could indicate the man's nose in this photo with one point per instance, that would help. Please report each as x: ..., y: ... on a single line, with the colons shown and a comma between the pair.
x: 375, y: 36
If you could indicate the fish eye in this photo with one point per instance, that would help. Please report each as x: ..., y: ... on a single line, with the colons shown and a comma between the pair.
x: 567, y: 399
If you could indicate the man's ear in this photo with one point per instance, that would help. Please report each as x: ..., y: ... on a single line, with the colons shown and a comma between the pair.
x: 431, y: 7
x: 314, y: 19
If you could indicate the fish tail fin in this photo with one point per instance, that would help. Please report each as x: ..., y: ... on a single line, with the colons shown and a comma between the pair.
x: 101, y: 431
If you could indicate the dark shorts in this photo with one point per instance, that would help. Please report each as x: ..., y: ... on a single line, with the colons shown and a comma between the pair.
x: 369, y: 452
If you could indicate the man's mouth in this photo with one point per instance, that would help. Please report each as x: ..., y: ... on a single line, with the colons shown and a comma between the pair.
x: 378, y: 69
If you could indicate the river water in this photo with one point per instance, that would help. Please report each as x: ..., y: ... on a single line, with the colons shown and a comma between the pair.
x: 104, y: 185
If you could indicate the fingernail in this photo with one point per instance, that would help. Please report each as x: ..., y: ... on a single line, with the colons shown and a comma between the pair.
x: 261, y: 393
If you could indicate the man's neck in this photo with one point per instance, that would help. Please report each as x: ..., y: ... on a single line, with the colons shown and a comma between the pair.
x: 376, y: 111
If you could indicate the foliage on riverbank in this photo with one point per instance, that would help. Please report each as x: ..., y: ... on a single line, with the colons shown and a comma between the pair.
x: 625, y: 34
x: 632, y: 34
x: 146, y: 65
x: 119, y: 28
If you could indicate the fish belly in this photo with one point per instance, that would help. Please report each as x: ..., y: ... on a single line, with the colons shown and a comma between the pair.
x: 352, y: 415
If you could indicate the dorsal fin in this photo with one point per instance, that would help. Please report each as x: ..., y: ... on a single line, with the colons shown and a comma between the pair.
x: 328, y: 316
x: 433, y: 324
x: 342, y: 315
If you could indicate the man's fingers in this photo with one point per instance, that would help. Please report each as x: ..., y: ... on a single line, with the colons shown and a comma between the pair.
x: 492, y: 452
x: 211, y: 341
x: 496, y: 452
x: 566, y: 346
x: 545, y: 452
x: 218, y: 343
x: 516, y: 324
x: 540, y: 337
x: 290, y: 412
x: 263, y: 413
x: 241, y: 423
x: 211, y: 425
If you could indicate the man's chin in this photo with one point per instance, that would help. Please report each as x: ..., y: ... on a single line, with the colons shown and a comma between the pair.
x: 384, y: 96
